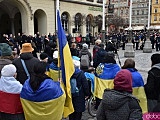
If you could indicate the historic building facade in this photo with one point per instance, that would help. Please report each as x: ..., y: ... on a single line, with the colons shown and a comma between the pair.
x: 31, y: 16
x: 140, y: 13
x: 155, y: 14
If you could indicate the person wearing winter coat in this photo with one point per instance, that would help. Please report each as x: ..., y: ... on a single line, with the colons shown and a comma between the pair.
x: 99, y: 56
x: 137, y: 83
x: 119, y: 103
x: 82, y: 84
x: 6, y: 56
x: 27, y: 56
x: 85, y: 51
x: 10, y: 88
x: 153, y: 82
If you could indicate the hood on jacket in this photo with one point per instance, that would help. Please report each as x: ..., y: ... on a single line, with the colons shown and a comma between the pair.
x: 156, y: 66
x: 76, y: 73
x: 26, y: 56
x: 113, y: 99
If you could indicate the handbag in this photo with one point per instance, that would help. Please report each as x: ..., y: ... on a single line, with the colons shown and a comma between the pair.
x: 25, y: 68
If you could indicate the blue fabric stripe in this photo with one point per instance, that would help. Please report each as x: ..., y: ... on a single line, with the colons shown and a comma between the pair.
x: 48, y: 90
x: 108, y: 71
x: 62, y: 43
x: 53, y: 66
x: 137, y: 80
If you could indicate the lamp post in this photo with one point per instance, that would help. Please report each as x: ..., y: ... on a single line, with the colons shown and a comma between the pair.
x: 129, y: 51
x: 103, y: 23
x: 147, y: 46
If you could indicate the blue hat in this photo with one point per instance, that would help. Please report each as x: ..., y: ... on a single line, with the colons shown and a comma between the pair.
x: 75, y: 58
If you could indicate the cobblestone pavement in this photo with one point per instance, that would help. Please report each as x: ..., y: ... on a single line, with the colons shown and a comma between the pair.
x: 143, y: 64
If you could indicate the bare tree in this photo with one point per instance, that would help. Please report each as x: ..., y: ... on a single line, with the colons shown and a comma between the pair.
x: 116, y: 21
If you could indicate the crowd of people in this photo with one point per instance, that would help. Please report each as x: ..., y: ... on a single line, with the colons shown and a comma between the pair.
x: 30, y: 87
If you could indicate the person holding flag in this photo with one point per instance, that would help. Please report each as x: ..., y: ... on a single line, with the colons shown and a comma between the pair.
x: 67, y: 67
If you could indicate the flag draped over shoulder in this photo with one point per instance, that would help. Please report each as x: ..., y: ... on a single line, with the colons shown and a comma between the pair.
x: 138, y: 89
x: 46, y: 103
x: 67, y: 66
x: 105, y: 74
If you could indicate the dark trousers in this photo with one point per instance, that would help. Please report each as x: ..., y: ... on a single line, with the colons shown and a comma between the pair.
x: 75, y: 116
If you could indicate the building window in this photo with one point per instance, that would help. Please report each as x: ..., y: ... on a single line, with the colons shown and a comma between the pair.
x: 121, y: 12
x: 156, y: 2
x: 88, y: 24
x: 78, y: 22
x: 155, y: 10
x: 142, y: 12
x: 99, y: 1
x: 90, y: 0
x: 127, y: 12
x: 155, y: 18
x: 64, y: 19
x: 137, y: 12
x: 133, y: 12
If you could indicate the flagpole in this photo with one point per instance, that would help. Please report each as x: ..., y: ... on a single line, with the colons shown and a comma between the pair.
x: 103, y: 22
x: 57, y: 8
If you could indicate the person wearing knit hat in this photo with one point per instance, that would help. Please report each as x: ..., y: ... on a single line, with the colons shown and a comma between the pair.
x: 5, y: 49
x: 10, y: 88
x: 85, y: 45
x: 29, y: 60
x: 6, y: 56
x: 123, y: 81
x: 43, y: 57
x: 153, y: 83
x: 119, y: 103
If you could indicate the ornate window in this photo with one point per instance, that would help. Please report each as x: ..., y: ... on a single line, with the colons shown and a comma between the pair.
x: 78, y: 22
x: 88, y: 23
x: 64, y: 18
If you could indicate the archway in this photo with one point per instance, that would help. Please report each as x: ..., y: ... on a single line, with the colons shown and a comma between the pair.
x: 13, y: 17
x: 40, y: 22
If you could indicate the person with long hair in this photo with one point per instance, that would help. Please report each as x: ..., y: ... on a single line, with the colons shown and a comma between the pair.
x: 40, y: 90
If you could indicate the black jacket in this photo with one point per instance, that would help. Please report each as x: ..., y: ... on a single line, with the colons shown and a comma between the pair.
x: 82, y: 84
x: 117, y: 105
x: 152, y: 87
x: 29, y: 61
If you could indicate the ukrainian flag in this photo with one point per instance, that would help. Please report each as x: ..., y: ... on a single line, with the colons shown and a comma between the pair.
x: 54, y: 72
x: 138, y: 89
x: 67, y: 66
x: 44, y: 104
x: 105, y: 74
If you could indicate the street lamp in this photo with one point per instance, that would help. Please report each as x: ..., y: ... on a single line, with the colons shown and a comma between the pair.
x: 147, y: 46
x: 129, y: 52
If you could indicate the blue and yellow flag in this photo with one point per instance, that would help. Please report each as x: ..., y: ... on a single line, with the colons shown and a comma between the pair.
x: 47, y: 103
x: 67, y: 66
x: 53, y: 72
x: 138, y: 89
x: 105, y: 74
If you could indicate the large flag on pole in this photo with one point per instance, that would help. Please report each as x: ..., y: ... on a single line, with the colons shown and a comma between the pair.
x: 67, y: 66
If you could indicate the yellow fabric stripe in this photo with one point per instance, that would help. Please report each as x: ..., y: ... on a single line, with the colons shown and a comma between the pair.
x: 54, y: 74
x: 101, y: 85
x: 139, y: 93
x: 47, y: 110
x: 69, y: 70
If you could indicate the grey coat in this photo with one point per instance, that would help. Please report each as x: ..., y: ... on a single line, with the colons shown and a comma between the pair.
x: 117, y: 105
